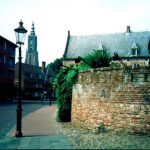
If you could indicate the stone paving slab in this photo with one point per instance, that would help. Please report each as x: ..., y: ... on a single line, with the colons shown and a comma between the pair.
x: 40, y: 122
x: 58, y: 141
x: 39, y: 132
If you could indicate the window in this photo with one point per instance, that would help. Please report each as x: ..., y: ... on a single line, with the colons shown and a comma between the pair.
x: 35, y: 94
x: 134, y: 52
x: 11, y: 62
x: 149, y: 46
x: 2, y: 58
x: 40, y: 76
x: 30, y: 59
x: 40, y: 86
x: 12, y: 51
x: 31, y: 75
x: 5, y: 46
x: 36, y: 85
x: 134, y: 49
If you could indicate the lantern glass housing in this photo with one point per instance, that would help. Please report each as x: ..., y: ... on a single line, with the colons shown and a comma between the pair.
x: 20, y: 33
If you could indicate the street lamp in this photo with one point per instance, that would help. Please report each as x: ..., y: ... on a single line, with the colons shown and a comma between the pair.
x: 20, y: 37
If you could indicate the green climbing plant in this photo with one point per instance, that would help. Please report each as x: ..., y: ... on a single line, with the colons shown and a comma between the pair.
x: 67, y: 76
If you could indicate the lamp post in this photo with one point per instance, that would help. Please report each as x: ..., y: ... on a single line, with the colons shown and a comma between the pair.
x: 51, y: 91
x: 20, y: 37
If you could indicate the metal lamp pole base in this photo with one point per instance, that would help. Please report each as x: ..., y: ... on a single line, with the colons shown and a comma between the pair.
x: 18, y: 134
x: 19, y: 115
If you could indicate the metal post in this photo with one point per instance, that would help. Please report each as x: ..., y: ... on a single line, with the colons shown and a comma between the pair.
x: 19, y: 103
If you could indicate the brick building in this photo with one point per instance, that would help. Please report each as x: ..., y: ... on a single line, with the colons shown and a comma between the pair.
x: 7, y: 68
x: 35, y: 80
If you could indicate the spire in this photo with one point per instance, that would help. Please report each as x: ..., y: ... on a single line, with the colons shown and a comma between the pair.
x: 32, y: 29
x: 32, y: 53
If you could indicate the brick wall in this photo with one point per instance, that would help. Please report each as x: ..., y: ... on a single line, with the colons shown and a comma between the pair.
x: 113, y: 99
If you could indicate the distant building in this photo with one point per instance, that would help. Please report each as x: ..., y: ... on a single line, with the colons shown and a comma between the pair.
x: 32, y: 53
x: 7, y: 68
x: 35, y: 81
x: 132, y: 47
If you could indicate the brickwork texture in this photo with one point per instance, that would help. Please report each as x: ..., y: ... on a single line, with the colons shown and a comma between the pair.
x: 112, y: 99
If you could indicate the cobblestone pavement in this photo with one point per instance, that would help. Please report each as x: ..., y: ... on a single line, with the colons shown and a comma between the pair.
x: 84, y: 139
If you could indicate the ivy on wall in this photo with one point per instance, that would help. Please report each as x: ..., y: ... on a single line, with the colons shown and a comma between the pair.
x: 66, y: 77
x: 63, y: 84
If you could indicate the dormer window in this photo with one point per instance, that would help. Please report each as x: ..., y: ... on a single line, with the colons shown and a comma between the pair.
x: 134, y: 52
x: 134, y: 49
x: 149, y: 46
x: 101, y: 48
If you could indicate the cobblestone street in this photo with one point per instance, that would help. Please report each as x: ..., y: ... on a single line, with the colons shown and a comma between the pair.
x: 83, y: 139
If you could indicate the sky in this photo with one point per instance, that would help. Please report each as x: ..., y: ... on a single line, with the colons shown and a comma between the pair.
x: 53, y: 19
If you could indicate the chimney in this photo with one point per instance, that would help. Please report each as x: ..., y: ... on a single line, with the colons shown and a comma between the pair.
x: 128, y: 29
x: 43, y: 66
x: 68, y: 32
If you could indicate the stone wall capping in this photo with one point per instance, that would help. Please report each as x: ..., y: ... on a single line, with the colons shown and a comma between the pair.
x: 100, y: 69
x: 144, y: 69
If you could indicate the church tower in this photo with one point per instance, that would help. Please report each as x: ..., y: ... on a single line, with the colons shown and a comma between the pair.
x: 32, y: 53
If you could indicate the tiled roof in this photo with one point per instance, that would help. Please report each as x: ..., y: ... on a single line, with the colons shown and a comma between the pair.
x: 119, y: 42
x: 28, y: 69
x: 13, y: 44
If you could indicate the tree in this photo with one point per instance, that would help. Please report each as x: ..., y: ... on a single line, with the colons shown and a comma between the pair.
x: 98, y: 59
x: 55, y: 66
